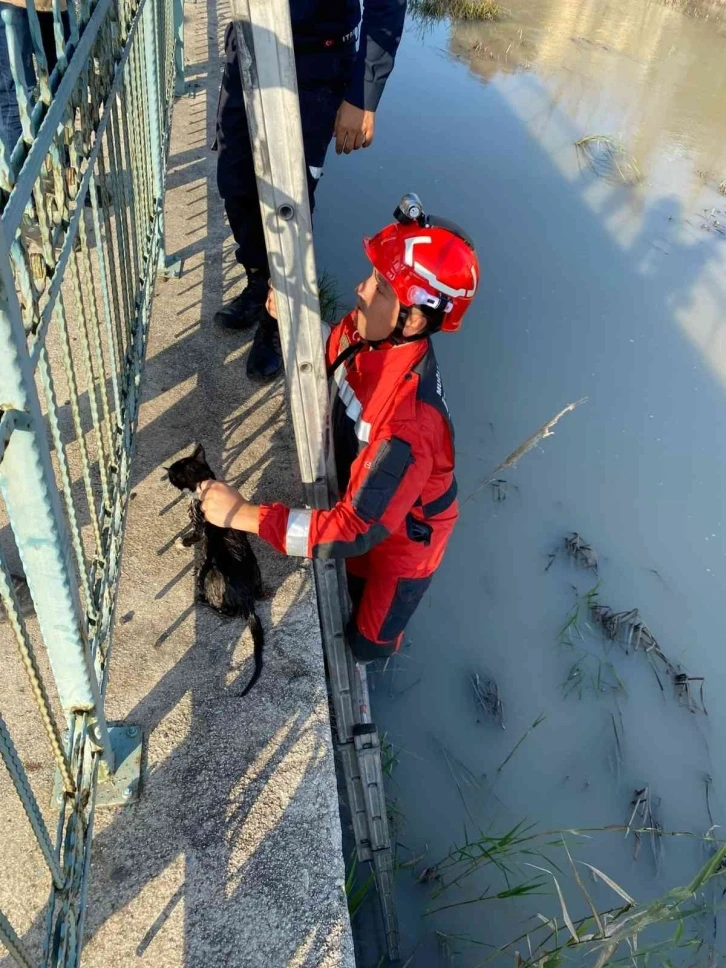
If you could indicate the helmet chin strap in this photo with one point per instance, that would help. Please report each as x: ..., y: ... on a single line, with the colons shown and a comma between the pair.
x: 397, y: 338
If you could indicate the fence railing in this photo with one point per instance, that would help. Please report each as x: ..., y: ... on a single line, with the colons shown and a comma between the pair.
x: 83, y: 146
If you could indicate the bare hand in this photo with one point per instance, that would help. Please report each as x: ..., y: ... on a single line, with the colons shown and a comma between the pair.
x: 354, y: 128
x: 271, y: 305
x: 220, y: 503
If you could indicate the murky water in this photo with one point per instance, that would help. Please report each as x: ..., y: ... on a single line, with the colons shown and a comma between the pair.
x: 592, y: 289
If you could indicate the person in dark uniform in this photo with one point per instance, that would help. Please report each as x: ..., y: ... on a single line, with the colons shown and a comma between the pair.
x: 340, y: 85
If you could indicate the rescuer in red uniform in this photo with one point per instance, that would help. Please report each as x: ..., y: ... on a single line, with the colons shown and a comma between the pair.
x: 392, y: 432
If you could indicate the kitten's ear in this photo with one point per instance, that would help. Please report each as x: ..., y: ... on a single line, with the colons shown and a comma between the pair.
x: 199, y: 453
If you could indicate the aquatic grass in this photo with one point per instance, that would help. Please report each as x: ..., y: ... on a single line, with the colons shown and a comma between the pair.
x: 712, y: 221
x: 500, y: 489
x: 682, y: 682
x: 402, y: 865
x: 540, y: 719
x: 593, y: 674
x: 467, y: 776
x: 434, y: 10
x: 356, y: 890
x: 486, y: 695
x: 524, y: 842
x: 396, y: 816
x: 625, y: 628
x: 389, y: 756
x: 633, y: 635
x: 587, y: 833
x: 607, y: 678
x: 708, y: 781
x: 644, y: 808
x: 445, y: 949
x: 571, y: 624
x: 504, y: 853
x: 583, y: 606
x: 546, y: 430
x: 329, y: 296
x: 460, y: 774
x: 463, y: 939
x: 524, y: 889
x: 609, y: 936
x: 628, y: 630
x: 613, y: 936
x: 608, y: 158
x: 617, y: 742
x: 581, y: 552
x: 590, y: 672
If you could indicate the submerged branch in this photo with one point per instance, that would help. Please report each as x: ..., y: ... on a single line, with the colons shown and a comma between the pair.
x: 544, y: 431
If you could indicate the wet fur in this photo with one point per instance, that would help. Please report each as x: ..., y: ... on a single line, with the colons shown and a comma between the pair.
x: 229, y: 579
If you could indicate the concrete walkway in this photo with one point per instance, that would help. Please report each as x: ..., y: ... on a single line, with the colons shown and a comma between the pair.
x: 233, y: 855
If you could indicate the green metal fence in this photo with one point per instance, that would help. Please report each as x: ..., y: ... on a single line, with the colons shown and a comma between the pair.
x: 81, y: 240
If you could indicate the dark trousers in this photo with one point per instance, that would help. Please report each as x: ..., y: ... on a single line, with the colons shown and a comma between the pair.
x: 14, y: 23
x: 323, y: 76
x: 383, y: 603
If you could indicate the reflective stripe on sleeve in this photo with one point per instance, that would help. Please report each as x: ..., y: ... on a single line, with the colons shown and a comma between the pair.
x: 298, y: 529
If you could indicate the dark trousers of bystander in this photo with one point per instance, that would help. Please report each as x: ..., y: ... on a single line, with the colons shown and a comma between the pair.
x: 322, y: 76
x: 15, y: 33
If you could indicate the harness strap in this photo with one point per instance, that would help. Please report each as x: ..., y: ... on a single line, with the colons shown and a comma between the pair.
x: 344, y: 355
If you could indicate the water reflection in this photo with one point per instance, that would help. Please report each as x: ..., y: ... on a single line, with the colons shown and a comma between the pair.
x: 657, y: 77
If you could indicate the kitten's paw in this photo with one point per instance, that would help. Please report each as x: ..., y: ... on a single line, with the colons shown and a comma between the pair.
x: 188, y: 540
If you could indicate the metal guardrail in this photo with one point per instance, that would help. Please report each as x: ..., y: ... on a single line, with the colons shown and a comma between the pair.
x: 81, y: 240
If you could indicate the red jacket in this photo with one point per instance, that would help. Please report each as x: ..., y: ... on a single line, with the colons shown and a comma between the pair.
x: 394, y: 446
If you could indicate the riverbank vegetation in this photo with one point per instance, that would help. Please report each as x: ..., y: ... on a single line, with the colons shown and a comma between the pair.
x: 432, y: 10
x: 619, y: 930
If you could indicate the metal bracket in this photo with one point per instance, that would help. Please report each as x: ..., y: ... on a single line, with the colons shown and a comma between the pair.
x: 170, y: 267
x: 121, y: 787
x: 190, y: 89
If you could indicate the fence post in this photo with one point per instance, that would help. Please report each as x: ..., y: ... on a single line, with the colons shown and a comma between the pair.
x: 29, y: 490
x: 269, y: 82
x: 179, y: 84
x: 168, y: 267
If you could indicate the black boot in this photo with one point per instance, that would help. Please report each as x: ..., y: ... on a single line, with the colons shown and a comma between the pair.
x: 265, y: 359
x: 248, y: 308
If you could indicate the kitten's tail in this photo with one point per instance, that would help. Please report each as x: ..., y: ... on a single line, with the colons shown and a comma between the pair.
x: 258, y: 638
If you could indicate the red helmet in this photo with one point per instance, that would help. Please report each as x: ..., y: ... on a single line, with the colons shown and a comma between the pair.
x: 428, y: 261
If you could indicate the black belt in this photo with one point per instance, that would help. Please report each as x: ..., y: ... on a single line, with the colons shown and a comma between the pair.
x: 308, y: 45
x: 441, y: 503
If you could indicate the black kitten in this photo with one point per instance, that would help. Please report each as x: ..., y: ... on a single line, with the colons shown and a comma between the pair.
x: 229, y: 579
